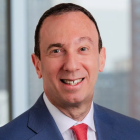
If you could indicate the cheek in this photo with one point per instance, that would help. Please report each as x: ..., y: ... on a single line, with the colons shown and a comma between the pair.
x: 92, y: 68
x: 92, y: 64
x: 50, y: 68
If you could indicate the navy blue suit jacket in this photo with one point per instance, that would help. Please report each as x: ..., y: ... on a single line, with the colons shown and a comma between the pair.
x: 38, y: 124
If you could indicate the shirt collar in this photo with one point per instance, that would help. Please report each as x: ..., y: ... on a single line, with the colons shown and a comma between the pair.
x: 64, y: 122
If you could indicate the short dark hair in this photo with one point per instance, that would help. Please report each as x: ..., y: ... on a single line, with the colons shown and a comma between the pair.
x: 58, y: 10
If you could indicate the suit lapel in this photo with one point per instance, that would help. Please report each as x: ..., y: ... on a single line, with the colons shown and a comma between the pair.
x: 50, y: 132
x: 105, y: 125
x: 42, y: 123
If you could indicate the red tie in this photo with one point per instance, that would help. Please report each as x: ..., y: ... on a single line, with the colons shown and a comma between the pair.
x: 80, y: 131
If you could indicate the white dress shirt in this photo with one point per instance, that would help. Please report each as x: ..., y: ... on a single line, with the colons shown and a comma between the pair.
x: 64, y: 123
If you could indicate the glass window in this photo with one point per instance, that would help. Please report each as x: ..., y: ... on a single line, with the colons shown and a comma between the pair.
x: 4, y: 79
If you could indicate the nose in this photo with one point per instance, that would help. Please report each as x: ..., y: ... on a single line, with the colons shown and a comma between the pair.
x: 71, y: 63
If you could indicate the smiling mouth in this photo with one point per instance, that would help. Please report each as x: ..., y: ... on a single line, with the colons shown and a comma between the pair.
x: 71, y: 82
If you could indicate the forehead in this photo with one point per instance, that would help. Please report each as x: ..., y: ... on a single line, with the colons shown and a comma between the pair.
x: 68, y: 26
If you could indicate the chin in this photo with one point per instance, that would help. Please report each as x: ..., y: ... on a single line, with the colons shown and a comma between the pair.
x: 75, y: 100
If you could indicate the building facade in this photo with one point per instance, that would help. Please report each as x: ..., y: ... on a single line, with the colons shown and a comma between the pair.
x: 135, y: 73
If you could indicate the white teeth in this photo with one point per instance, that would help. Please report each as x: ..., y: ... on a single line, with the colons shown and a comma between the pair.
x: 72, y: 82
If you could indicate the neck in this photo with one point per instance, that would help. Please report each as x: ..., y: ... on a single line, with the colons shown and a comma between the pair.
x: 77, y: 112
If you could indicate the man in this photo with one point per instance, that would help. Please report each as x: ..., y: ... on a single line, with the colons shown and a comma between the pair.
x: 68, y: 56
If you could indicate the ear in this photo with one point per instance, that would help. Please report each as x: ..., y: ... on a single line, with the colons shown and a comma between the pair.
x: 102, y: 58
x: 37, y: 64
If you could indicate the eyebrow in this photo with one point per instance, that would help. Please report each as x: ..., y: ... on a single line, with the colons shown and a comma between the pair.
x: 59, y: 45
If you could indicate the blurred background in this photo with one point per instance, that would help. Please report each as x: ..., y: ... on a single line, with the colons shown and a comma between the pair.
x: 117, y: 88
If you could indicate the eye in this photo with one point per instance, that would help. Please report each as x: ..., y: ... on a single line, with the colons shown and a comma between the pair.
x: 55, y: 51
x: 83, y: 49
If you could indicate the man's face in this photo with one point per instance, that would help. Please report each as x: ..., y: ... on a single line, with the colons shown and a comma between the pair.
x: 70, y: 59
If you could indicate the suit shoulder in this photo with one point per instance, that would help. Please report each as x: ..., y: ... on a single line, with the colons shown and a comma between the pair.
x: 116, y: 115
x: 17, y: 127
x: 120, y: 121
x: 116, y: 124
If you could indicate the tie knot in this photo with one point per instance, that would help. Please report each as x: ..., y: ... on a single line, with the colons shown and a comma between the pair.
x: 80, y: 131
